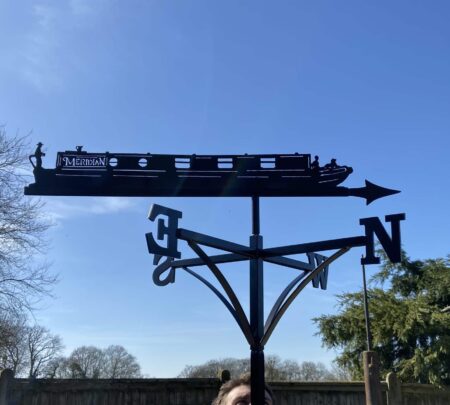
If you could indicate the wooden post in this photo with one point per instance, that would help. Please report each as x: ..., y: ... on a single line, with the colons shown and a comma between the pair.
x: 224, y: 376
x: 6, y: 379
x: 394, y: 395
x: 372, y: 378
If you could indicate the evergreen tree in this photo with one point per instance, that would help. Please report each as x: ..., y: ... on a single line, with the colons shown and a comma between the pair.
x: 410, y: 327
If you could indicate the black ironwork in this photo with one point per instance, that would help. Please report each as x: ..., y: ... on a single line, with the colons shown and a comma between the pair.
x: 366, y: 310
x: 315, y: 271
x: 136, y: 174
x: 119, y: 174
x: 391, y: 245
x: 170, y: 231
x: 257, y: 365
x: 37, y: 165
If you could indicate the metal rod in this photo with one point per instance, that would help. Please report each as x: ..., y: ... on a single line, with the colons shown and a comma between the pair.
x: 222, y: 298
x: 233, y: 257
x: 215, y: 243
x: 256, y: 310
x: 255, y: 215
x: 315, y: 246
x: 241, y: 318
x: 305, y: 281
x: 366, y: 311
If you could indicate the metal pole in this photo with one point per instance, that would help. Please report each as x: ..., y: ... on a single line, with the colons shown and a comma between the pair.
x: 371, y: 363
x: 366, y: 310
x: 255, y: 216
x: 257, y: 311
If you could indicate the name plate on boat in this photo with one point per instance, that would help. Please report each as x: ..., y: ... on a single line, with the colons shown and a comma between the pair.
x: 82, y: 162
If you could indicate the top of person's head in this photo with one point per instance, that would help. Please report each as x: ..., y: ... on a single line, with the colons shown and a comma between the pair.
x: 231, y: 393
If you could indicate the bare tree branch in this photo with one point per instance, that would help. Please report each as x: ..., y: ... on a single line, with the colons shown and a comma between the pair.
x: 23, y: 278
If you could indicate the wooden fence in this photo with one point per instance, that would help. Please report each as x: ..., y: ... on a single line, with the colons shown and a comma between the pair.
x: 201, y: 391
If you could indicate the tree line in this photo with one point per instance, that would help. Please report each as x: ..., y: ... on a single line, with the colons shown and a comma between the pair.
x: 33, y: 351
x: 276, y: 369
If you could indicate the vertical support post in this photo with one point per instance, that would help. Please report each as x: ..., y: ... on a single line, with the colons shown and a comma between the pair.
x: 394, y: 394
x: 371, y: 362
x: 257, y: 311
x: 255, y: 216
x: 6, y: 380
x: 372, y: 378
x: 366, y: 311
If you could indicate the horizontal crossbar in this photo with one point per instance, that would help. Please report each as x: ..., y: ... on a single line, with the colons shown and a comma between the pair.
x: 271, y: 255
x: 230, y: 258
x: 210, y: 241
x: 313, y: 247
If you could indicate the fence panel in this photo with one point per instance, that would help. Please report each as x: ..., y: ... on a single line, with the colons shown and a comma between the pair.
x: 201, y: 391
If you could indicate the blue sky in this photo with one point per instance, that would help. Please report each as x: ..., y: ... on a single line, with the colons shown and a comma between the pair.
x: 365, y: 82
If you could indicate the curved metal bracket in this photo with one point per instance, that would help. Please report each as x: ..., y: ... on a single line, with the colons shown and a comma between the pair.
x: 283, y: 296
x: 221, y: 298
x: 233, y: 305
x: 279, y: 309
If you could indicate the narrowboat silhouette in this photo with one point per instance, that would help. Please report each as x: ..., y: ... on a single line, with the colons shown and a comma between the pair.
x: 137, y: 174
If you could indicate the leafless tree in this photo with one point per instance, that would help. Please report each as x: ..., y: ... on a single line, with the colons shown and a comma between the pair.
x: 42, y: 347
x: 86, y: 362
x: 314, y: 371
x: 26, y: 349
x: 276, y: 369
x: 92, y: 362
x: 212, y: 368
x: 22, y: 229
x: 12, y: 344
x: 58, y: 367
x: 120, y: 364
x: 340, y: 373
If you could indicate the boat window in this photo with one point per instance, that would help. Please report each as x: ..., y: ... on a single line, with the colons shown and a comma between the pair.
x: 246, y: 163
x: 143, y: 162
x: 112, y: 162
x: 203, y: 163
x: 225, y: 163
x: 183, y: 163
x: 293, y: 162
x: 267, y: 163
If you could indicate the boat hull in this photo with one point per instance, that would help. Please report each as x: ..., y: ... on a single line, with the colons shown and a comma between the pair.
x: 187, y: 183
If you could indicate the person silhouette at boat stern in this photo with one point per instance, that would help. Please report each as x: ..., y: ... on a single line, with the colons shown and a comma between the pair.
x: 315, y: 166
x: 38, y: 156
x: 332, y: 165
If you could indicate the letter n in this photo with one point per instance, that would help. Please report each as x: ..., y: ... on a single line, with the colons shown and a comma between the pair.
x: 322, y: 278
x: 391, y: 245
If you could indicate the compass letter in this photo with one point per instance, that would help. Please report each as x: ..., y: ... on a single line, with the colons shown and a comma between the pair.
x: 170, y: 250
x: 321, y: 279
x: 391, y: 245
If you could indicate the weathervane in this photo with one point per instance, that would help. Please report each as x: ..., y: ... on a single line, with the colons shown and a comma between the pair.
x: 118, y: 174
x: 142, y: 175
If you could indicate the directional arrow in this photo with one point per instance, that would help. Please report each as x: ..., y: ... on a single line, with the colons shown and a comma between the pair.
x: 371, y: 192
x: 100, y: 187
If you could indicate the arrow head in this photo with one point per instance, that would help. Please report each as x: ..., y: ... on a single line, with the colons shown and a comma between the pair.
x: 372, y: 192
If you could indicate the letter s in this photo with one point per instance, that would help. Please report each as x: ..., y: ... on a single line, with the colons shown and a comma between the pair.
x: 164, y: 266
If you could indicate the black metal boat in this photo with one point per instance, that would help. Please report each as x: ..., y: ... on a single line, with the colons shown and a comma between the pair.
x: 134, y: 174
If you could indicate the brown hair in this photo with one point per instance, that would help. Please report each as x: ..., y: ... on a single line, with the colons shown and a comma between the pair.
x: 226, y: 388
